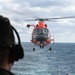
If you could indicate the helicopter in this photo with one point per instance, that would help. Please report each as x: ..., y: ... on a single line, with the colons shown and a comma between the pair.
x: 41, y: 35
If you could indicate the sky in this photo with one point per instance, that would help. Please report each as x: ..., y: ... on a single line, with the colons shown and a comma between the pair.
x: 18, y: 11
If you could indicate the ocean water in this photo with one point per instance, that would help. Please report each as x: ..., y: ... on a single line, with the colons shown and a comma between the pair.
x: 59, y: 61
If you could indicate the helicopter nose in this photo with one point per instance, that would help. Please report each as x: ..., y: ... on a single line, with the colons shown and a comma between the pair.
x: 41, y: 38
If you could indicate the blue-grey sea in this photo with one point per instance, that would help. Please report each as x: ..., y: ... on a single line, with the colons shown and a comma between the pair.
x: 59, y: 61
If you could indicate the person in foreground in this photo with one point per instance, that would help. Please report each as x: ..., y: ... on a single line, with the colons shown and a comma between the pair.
x: 9, y: 50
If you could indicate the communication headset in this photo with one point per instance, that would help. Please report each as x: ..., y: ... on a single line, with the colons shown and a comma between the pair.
x: 16, y: 51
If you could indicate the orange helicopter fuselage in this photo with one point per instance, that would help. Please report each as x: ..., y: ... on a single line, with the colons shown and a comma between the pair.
x: 40, y: 35
x: 40, y: 25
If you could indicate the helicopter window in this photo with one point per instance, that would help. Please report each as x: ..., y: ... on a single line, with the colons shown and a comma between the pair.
x: 41, y: 31
x: 37, y: 31
x: 45, y: 31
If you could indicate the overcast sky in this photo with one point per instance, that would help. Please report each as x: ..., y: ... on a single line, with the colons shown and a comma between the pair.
x: 20, y: 10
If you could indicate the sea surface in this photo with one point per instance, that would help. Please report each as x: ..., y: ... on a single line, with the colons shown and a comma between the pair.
x: 59, y: 61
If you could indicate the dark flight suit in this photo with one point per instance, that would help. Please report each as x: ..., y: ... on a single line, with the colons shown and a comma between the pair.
x: 5, y: 72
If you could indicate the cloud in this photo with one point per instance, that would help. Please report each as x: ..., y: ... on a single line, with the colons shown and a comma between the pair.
x: 18, y: 11
x: 46, y: 3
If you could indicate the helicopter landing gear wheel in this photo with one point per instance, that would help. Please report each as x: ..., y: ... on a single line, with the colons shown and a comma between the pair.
x: 42, y: 46
x: 50, y: 49
x: 33, y: 49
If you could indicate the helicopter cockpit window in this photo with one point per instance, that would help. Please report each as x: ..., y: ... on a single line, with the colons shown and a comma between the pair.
x: 37, y: 31
x: 45, y: 31
x: 41, y: 31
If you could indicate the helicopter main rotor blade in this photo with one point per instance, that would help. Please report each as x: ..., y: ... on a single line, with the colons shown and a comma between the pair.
x: 31, y: 20
x: 49, y: 19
